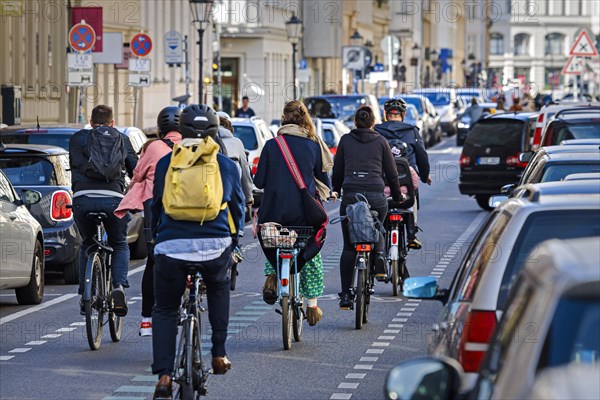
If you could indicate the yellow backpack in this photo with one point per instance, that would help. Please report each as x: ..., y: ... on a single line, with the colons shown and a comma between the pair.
x: 193, y: 187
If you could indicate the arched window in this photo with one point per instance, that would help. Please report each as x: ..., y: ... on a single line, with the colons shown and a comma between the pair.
x: 521, y: 44
x: 554, y: 44
x: 496, y: 44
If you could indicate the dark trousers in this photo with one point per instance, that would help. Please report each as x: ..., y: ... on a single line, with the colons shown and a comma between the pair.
x: 148, y: 277
x: 116, y: 231
x: 169, y: 284
x: 378, y: 203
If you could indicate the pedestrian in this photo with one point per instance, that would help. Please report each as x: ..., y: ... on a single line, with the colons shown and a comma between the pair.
x: 245, y: 111
x: 363, y: 163
x: 500, y: 107
x: 516, y: 106
x: 139, y: 197
x: 198, y: 225
x: 98, y: 158
x: 282, y: 200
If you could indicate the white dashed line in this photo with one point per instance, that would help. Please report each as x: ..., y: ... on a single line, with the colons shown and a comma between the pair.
x: 65, y: 330
x: 77, y: 324
x: 51, y: 336
x: 363, y: 366
x: 386, y: 338
x: 355, y: 376
x: 380, y: 344
x: 6, y: 358
x: 368, y: 359
x: 394, y: 331
x: 399, y: 320
x: 374, y: 351
x: 347, y: 385
x: 395, y: 325
x: 340, y: 396
x: 36, y: 343
x: 404, y: 314
x: 20, y: 350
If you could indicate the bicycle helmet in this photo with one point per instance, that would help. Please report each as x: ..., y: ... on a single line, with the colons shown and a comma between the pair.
x: 168, y: 120
x: 395, y: 106
x: 198, y: 121
x: 399, y: 148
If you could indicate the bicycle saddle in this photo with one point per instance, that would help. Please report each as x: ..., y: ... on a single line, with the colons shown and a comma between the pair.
x: 100, y: 216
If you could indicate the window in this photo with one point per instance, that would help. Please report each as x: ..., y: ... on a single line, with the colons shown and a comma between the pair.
x: 6, y: 192
x: 247, y: 135
x: 521, y: 47
x: 496, y: 44
x: 554, y: 44
x: 28, y: 170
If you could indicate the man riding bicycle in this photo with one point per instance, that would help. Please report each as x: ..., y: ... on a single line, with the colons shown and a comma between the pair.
x: 181, y: 241
x: 98, y: 157
x: 396, y: 131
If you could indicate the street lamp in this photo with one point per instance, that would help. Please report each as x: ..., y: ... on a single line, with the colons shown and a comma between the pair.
x: 356, y: 38
x: 294, y: 34
x: 416, y: 53
x: 201, y: 11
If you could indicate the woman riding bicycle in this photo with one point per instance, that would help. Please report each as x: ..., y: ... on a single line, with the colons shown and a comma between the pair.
x: 363, y: 158
x: 282, y: 201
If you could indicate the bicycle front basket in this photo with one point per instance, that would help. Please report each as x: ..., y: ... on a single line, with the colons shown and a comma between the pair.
x: 276, y: 236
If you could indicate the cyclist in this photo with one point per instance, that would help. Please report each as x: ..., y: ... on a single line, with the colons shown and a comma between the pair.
x: 395, y: 130
x: 139, y: 197
x: 208, y: 244
x: 362, y: 160
x: 101, y: 189
x: 282, y: 201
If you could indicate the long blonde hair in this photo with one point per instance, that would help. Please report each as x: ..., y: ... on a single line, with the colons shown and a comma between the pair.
x: 295, y: 112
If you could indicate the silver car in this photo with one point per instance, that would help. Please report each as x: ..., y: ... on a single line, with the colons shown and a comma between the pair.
x: 21, y: 244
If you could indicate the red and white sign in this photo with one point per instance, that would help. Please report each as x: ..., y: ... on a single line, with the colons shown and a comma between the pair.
x: 584, y: 46
x: 82, y: 37
x: 141, y: 45
x: 573, y: 67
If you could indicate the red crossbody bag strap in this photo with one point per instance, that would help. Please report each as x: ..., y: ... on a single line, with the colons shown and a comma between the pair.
x: 290, y: 161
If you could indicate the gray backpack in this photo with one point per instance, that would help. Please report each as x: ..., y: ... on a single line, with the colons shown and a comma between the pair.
x: 363, y: 226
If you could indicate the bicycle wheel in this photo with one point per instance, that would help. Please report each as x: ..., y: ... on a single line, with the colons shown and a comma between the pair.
x: 286, y: 322
x: 361, y: 283
x: 198, y: 375
x: 187, y: 383
x: 115, y: 323
x: 369, y: 283
x: 94, y: 309
x: 395, y: 277
x: 298, y: 315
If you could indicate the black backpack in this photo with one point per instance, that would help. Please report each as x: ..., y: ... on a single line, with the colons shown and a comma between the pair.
x: 404, y: 175
x: 104, y: 153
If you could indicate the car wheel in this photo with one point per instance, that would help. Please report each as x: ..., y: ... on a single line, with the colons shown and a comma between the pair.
x: 483, y: 202
x: 138, y: 249
x: 33, y: 293
x: 71, y: 271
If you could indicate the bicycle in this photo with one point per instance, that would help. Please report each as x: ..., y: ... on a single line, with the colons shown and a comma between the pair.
x: 189, y: 372
x: 288, y: 240
x: 97, y: 294
x: 396, y: 247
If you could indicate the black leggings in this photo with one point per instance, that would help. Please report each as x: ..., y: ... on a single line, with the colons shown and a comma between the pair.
x: 378, y: 203
x: 148, y: 277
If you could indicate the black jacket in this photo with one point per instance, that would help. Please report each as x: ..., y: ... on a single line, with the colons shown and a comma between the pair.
x: 79, y: 181
x: 362, y: 158
x: 409, y: 134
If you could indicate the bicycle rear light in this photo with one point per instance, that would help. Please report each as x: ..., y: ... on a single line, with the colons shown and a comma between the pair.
x: 395, y: 217
x: 363, y: 247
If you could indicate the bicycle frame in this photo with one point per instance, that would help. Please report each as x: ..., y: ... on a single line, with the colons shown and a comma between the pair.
x: 284, y: 258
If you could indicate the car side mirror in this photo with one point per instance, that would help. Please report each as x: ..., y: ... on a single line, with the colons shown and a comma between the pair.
x: 424, y: 378
x: 526, y: 156
x: 424, y: 287
x: 496, y: 200
x: 508, y: 189
x: 30, y: 197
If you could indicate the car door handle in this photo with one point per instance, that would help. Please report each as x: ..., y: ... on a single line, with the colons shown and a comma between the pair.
x: 12, y: 216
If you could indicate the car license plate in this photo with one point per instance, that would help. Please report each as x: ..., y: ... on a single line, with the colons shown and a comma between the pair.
x: 489, y: 160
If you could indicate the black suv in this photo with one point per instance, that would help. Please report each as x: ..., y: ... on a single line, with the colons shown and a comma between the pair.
x: 490, y: 156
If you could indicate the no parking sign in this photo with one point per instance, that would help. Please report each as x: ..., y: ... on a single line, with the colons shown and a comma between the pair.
x: 141, y: 45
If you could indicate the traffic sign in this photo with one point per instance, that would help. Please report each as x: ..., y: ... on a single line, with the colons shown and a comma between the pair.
x: 80, y: 78
x: 173, y: 48
x: 139, y: 79
x: 80, y: 61
x: 139, y: 64
x: 82, y: 37
x: 141, y: 45
x: 583, y: 46
x: 390, y: 43
x: 573, y: 67
x: 353, y: 57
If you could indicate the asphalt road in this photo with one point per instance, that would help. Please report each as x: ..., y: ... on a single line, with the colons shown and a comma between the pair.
x: 44, y: 352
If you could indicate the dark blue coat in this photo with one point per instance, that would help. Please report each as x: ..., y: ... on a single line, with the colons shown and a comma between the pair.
x: 282, y: 202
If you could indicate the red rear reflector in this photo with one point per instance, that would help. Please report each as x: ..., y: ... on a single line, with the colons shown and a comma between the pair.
x: 286, y: 256
x: 476, y: 335
x: 395, y: 217
x: 394, y: 237
x: 285, y: 282
x: 255, y: 165
x: 58, y: 207
x: 363, y: 247
x: 465, y: 160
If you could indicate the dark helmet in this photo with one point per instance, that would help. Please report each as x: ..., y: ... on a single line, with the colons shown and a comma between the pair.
x: 399, y: 148
x: 168, y: 120
x: 395, y: 106
x: 198, y: 121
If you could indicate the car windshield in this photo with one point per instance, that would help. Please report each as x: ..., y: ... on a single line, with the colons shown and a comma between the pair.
x: 51, y: 139
x: 247, y: 135
x: 589, y: 130
x: 557, y: 172
x: 343, y: 107
x: 438, y: 98
x: 329, y: 137
x: 496, y: 132
x: 542, y: 226
x: 573, y: 334
x: 28, y: 170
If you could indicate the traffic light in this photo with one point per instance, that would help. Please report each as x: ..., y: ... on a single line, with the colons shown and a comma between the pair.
x: 215, y: 63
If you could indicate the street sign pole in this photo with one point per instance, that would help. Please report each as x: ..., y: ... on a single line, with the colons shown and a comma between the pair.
x: 187, y: 67
x: 390, y: 56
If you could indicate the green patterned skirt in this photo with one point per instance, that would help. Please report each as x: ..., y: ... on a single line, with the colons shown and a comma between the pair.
x: 311, y: 277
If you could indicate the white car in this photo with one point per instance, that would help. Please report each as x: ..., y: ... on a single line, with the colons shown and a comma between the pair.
x: 21, y: 244
x: 445, y: 102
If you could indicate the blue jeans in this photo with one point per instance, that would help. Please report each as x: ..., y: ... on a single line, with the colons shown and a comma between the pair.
x: 116, y: 230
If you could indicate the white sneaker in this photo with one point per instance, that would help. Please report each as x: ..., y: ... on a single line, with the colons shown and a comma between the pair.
x: 146, y: 327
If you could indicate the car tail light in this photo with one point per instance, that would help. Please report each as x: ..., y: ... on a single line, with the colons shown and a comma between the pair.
x: 465, y: 160
x: 395, y: 217
x: 394, y: 238
x: 513, y: 161
x: 47, y: 252
x: 58, y: 206
x: 475, y: 338
x: 255, y: 165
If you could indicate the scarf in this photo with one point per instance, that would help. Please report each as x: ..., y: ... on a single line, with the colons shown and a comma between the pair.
x: 295, y: 130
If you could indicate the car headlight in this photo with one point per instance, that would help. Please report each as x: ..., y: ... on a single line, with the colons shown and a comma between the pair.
x: 462, y: 125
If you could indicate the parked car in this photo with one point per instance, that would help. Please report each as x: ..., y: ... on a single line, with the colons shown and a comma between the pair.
x: 466, y: 94
x: 546, y: 343
x: 570, y: 124
x: 431, y: 132
x: 490, y: 155
x: 341, y: 107
x: 444, y: 101
x: 510, y: 236
x: 60, y: 136
x: 46, y: 169
x: 22, y: 244
x: 547, y: 112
